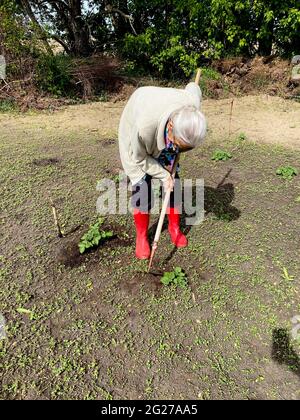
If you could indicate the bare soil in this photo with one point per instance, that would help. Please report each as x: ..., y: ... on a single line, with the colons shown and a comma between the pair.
x: 262, y: 118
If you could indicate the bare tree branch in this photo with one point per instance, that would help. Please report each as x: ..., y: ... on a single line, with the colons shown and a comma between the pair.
x: 61, y: 42
x: 110, y: 9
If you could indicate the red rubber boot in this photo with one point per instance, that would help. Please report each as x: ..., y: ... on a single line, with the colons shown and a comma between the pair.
x: 141, y: 220
x: 177, y: 237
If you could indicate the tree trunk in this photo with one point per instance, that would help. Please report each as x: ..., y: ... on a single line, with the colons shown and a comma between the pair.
x: 122, y: 25
x: 80, y: 37
x: 266, y: 44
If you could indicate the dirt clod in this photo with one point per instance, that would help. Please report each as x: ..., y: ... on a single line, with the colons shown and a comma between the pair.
x: 108, y: 142
x: 69, y: 255
x: 46, y: 162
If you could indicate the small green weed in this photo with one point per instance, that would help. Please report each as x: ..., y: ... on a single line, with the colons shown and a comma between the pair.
x: 287, y: 172
x: 176, y: 277
x: 94, y: 236
x: 221, y: 155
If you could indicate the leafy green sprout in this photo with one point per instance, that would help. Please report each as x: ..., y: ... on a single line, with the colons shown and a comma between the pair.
x: 176, y: 278
x: 94, y: 236
x: 221, y: 155
x: 287, y: 172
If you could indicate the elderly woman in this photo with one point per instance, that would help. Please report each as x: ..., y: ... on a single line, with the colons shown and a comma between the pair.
x: 156, y: 125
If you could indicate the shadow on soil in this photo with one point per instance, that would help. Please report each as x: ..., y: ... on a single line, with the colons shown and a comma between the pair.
x: 283, y: 352
x: 217, y: 201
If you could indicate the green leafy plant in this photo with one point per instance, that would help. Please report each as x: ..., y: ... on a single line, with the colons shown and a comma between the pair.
x: 94, y: 236
x: 53, y: 74
x: 175, y: 52
x: 287, y: 172
x: 176, y: 277
x: 168, y: 57
x: 221, y: 155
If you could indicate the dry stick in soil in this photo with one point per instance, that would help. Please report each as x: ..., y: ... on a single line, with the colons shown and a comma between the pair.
x: 230, y: 119
x: 56, y: 222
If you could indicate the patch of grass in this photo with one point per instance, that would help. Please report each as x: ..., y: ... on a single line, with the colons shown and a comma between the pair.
x: 102, y: 97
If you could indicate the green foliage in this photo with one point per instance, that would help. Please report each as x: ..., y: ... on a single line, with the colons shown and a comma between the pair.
x: 289, y: 31
x: 7, y: 105
x: 53, y: 74
x: 176, y: 278
x: 94, y: 236
x: 228, y: 28
x: 168, y: 39
x: 287, y: 172
x: 208, y: 74
x: 175, y: 55
x: 138, y: 48
x: 173, y: 39
x: 221, y: 155
x: 12, y: 30
x: 172, y: 60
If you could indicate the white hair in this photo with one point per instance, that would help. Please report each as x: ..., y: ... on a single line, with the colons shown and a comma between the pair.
x: 189, y: 125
